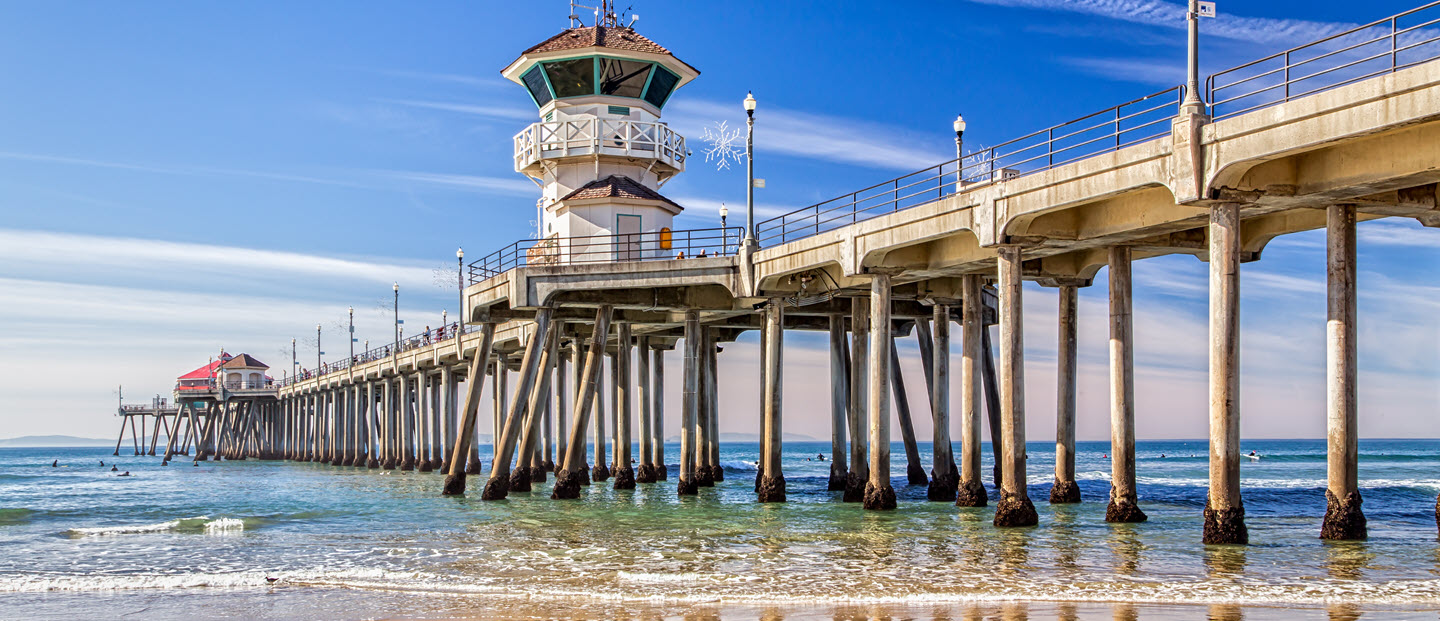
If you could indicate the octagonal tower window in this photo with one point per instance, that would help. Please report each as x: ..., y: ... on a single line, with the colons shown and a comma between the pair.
x: 660, y: 86
x: 572, y: 78
x: 623, y: 78
x: 535, y: 82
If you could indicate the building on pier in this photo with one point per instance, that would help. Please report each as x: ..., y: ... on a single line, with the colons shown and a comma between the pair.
x: 599, y: 150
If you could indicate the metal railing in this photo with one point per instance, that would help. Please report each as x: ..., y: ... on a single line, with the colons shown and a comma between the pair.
x: 651, y: 246
x: 599, y: 136
x: 434, y: 336
x: 1377, y: 48
x: 1109, y: 130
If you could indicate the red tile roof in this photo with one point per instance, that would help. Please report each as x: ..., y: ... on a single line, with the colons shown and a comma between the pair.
x: 599, y: 36
x: 207, y: 371
x: 617, y: 186
x: 244, y: 361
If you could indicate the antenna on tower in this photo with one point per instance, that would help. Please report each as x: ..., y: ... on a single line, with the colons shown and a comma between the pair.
x: 575, y: 16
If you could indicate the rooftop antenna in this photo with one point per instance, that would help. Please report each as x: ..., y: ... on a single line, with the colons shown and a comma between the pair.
x: 575, y: 16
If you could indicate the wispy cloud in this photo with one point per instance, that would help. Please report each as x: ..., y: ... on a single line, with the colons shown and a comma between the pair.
x: 1397, y: 234
x: 447, y: 78
x: 1152, y: 72
x: 174, y: 170
x: 709, y: 209
x: 506, y: 185
x: 499, y: 112
x: 1172, y: 15
x: 24, y: 251
x: 817, y: 136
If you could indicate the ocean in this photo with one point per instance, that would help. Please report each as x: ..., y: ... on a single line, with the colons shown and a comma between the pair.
x: 177, y: 542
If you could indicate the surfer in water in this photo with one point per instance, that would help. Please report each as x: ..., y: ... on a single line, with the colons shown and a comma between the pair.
x: 55, y: 464
x: 114, y: 469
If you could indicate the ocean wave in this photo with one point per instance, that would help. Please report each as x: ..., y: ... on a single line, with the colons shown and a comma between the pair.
x: 197, y: 524
x: 17, y: 515
x: 738, y: 465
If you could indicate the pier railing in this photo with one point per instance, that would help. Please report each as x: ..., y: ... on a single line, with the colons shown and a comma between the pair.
x: 1111, y: 129
x: 1374, y: 49
x: 433, y: 336
x: 651, y: 246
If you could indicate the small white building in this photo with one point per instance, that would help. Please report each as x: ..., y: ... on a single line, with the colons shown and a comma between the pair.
x: 599, y: 150
x: 244, y: 372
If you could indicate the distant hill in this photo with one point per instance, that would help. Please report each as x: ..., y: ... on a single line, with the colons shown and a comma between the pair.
x: 52, y: 441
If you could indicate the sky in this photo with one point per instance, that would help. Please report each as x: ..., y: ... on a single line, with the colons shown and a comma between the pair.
x: 181, y: 177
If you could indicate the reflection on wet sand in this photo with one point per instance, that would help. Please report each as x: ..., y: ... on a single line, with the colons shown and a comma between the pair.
x: 1225, y: 612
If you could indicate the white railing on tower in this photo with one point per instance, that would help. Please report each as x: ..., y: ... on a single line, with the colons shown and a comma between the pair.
x: 599, y: 136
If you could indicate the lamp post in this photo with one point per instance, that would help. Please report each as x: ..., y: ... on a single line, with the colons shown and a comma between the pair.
x: 396, y: 288
x: 294, y: 362
x: 959, y: 126
x: 460, y: 283
x: 352, y: 335
x: 750, y: 240
x: 1193, y: 104
x: 318, y: 353
x: 724, y: 212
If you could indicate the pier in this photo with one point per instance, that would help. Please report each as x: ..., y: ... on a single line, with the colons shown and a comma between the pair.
x: 1323, y: 136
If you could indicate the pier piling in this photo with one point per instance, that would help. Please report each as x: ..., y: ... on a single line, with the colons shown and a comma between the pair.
x: 1124, y: 506
x: 1065, y: 490
x: 970, y: 492
x: 690, y: 406
x: 772, y: 482
x: 1344, y: 518
x: 465, y: 431
x: 1224, y: 510
x: 624, y: 448
x: 646, y: 471
x: 935, y: 350
x: 573, y: 475
x: 858, y: 412
x: 839, y: 393
x: 914, y: 469
x: 1014, y: 508
x: 879, y: 495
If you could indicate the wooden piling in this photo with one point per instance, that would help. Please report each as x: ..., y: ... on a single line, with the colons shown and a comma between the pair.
x: 1344, y: 518
x: 1224, y: 509
x: 1014, y: 508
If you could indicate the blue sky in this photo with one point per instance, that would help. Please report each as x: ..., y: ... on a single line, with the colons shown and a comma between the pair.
x: 177, y: 176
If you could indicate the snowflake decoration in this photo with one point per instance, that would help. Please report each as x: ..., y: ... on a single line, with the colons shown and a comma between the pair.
x: 725, y: 145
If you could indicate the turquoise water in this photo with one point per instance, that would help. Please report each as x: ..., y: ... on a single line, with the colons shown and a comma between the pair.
x: 355, y: 543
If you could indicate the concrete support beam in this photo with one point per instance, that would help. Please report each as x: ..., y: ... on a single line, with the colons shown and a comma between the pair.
x: 935, y: 347
x: 601, y: 470
x: 657, y: 409
x: 712, y: 381
x: 624, y: 447
x: 690, y: 408
x: 914, y: 469
x: 1224, y: 510
x: 498, y: 486
x: 772, y: 483
x: 522, y: 477
x: 1014, y: 508
x: 562, y: 418
x: 1124, y: 505
x: 859, y: 474
x: 970, y: 492
x: 1344, y: 519
x: 1065, y: 490
x: 839, y: 393
x: 646, y: 472
x: 878, y: 493
x: 465, y: 430
x: 704, y: 474
x: 571, y: 477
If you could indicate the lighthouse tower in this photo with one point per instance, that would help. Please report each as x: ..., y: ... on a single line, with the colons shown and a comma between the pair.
x: 599, y: 150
